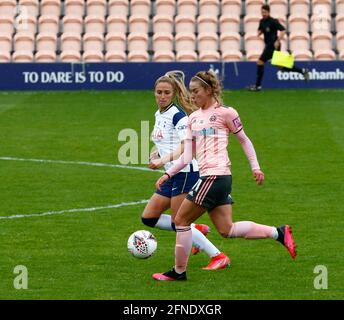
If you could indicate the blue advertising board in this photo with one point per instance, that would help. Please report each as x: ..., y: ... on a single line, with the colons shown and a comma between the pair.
x: 141, y: 76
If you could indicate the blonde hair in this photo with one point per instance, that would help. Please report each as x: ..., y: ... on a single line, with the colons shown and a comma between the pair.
x: 176, y: 79
x: 209, y: 79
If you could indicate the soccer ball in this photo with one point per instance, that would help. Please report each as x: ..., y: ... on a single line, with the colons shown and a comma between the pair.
x: 142, y: 244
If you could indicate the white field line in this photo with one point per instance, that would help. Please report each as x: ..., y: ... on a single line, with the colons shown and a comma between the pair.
x: 83, y: 163
x: 51, y: 213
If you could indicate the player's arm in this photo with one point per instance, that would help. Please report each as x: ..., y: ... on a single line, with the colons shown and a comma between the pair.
x: 281, y: 34
x: 260, y: 29
x: 160, y: 162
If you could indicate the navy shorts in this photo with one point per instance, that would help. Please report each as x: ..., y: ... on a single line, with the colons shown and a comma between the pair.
x: 212, y: 191
x: 182, y: 182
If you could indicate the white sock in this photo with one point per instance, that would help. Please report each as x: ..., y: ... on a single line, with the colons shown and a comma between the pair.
x: 200, y: 241
x: 274, y: 234
x: 164, y: 222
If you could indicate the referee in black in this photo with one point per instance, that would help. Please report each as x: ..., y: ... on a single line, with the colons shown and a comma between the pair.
x: 270, y: 27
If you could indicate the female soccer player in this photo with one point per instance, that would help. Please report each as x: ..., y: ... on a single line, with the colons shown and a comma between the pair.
x: 207, y: 135
x: 168, y: 136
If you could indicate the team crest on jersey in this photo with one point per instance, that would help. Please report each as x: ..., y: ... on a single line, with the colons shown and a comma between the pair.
x: 212, y: 118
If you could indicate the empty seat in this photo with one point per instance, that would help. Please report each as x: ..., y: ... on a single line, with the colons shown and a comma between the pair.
x: 207, y: 42
x: 48, y: 24
x: 22, y: 56
x: 140, y: 7
x: 299, y: 7
x: 115, y: 42
x: 165, y: 7
x: 70, y: 56
x: 324, y: 55
x: 119, y: 7
x: 137, y: 42
x: 340, y: 41
x: 116, y: 24
x: 29, y: 7
x: 230, y: 42
x: 231, y: 7
x: 321, y: 41
x: 50, y: 8
x: 5, y: 42
x: 46, y: 42
x: 278, y: 8
x: 24, y: 41
x: 341, y: 55
x: 298, y: 23
x: 185, y: 24
x: 96, y: 8
x: 299, y: 41
x: 321, y: 7
x: 26, y: 24
x: 72, y: 24
x: 93, y: 56
x: 93, y: 42
x: 138, y: 56
x: 162, y: 42
x: 5, y: 56
x: 253, y: 7
x: 6, y: 25
x: 251, y: 23
x: 94, y: 24
x: 209, y: 7
x: 340, y: 7
x: 229, y: 24
x: 115, y: 56
x: 70, y: 42
x: 186, y: 56
x: 163, y: 23
x: 164, y: 56
x: 8, y: 8
x: 302, y: 55
x: 321, y: 23
x: 138, y: 23
x: 75, y: 8
x: 207, y: 23
x: 340, y: 22
x: 254, y: 46
x: 231, y: 55
x: 208, y: 56
x: 45, y: 56
x: 187, y: 7
x: 185, y: 42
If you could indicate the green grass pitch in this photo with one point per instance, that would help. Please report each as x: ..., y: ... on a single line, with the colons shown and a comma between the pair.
x: 70, y: 254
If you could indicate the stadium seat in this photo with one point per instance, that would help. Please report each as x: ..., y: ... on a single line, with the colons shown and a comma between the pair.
x: 209, y: 7
x: 185, y: 42
x: 115, y: 42
x: 72, y: 24
x: 254, y: 46
x: 299, y: 41
x: 137, y: 42
x: 70, y: 56
x: 94, y: 24
x: 207, y: 42
x: 298, y: 23
x: 116, y: 24
x: 75, y: 8
x: 24, y: 41
x: 321, y: 40
x: 93, y: 42
x: 208, y: 56
x: 45, y: 56
x: 340, y: 22
x: 140, y: 7
x: 163, y: 42
x: 253, y: 7
x: 138, y: 56
x: 5, y: 42
x: 230, y: 42
x: 164, y: 56
x: 29, y: 7
x: 46, y: 42
x: 324, y: 55
x: 207, y: 23
x: 340, y: 41
x: 162, y: 23
x: 185, y: 24
x: 320, y: 23
x: 340, y: 7
x: 299, y: 7
x: 26, y: 24
x: 119, y: 7
x: 115, y: 56
x: 187, y: 7
x: 22, y: 56
x: 8, y: 8
x: 96, y: 8
x: 138, y: 23
x: 321, y: 7
x: 251, y: 23
x: 165, y: 7
x: 231, y: 8
x: 186, y: 56
x: 341, y: 55
x: 302, y: 55
x: 231, y: 55
x: 51, y: 8
x: 278, y: 8
x: 5, y: 56
x: 93, y: 56
x: 229, y: 24
x: 71, y: 42
x: 6, y: 25
x: 48, y: 24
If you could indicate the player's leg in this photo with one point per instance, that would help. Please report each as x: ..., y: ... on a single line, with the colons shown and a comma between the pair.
x: 303, y: 71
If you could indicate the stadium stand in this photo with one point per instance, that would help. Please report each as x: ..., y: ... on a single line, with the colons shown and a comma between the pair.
x: 164, y: 30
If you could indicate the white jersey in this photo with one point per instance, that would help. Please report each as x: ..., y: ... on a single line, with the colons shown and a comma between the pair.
x: 169, y: 130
